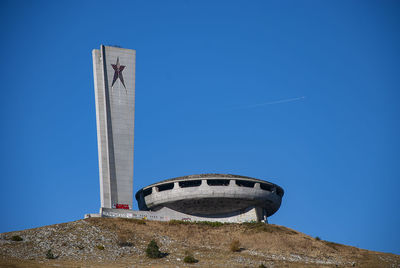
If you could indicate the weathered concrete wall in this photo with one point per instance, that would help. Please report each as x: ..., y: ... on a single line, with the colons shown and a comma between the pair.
x: 166, y: 214
x: 114, y: 76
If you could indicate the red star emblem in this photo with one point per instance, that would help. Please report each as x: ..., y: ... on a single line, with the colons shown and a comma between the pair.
x: 118, y: 72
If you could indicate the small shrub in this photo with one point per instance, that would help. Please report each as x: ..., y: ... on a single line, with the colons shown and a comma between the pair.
x: 262, y: 266
x: 152, y: 250
x: 317, y: 238
x: 177, y: 222
x: 100, y: 247
x: 235, y: 246
x: 80, y: 247
x: 16, y: 238
x: 190, y: 259
x: 50, y: 255
x: 125, y: 244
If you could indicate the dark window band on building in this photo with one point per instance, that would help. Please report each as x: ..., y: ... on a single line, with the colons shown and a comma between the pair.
x: 147, y: 191
x: 241, y: 183
x: 218, y: 182
x: 164, y: 187
x: 185, y: 184
x: 267, y: 187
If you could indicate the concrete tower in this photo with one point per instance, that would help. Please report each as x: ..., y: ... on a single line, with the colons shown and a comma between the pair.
x: 114, y: 80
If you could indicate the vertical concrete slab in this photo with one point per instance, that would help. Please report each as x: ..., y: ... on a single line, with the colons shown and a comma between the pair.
x: 114, y: 77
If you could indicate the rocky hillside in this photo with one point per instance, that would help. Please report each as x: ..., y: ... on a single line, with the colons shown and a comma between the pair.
x: 102, y: 242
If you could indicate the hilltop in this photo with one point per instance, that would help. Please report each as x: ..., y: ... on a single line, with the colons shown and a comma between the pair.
x: 106, y: 242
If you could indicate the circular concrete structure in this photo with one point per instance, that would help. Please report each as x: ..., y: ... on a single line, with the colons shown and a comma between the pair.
x: 212, y: 195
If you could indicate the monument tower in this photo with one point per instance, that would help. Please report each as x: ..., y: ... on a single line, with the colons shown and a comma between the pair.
x: 114, y: 79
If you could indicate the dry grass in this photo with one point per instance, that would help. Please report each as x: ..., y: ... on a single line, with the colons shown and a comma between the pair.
x: 211, y: 245
x: 269, y: 228
x: 235, y: 246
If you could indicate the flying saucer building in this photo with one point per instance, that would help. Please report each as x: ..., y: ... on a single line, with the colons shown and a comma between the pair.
x: 205, y: 197
x: 213, y: 197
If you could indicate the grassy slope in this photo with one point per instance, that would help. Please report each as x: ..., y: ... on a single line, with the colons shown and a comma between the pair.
x: 77, y: 244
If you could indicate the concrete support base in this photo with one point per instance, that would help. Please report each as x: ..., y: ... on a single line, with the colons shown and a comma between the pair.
x: 166, y: 214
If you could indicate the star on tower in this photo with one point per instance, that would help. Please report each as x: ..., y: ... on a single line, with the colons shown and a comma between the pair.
x: 118, y: 72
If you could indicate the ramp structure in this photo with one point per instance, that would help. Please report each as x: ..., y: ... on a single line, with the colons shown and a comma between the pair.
x: 114, y: 79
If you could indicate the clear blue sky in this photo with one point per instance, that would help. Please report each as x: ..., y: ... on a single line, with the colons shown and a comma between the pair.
x: 302, y: 93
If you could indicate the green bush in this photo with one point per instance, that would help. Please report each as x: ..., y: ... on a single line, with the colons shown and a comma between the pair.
x: 16, y: 238
x: 152, y: 250
x: 177, y: 222
x: 318, y: 238
x: 235, y: 246
x: 100, y: 247
x: 50, y: 255
x: 262, y: 266
x: 190, y: 259
x: 125, y: 244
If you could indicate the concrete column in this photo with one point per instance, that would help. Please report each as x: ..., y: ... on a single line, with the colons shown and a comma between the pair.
x: 114, y: 77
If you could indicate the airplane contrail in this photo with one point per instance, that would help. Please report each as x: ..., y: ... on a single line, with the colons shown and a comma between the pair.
x: 274, y: 102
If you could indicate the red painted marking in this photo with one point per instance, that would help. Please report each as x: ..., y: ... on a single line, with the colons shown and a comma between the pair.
x: 122, y: 206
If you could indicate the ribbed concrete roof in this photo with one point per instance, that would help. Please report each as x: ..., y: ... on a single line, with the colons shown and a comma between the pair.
x: 209, y: 175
